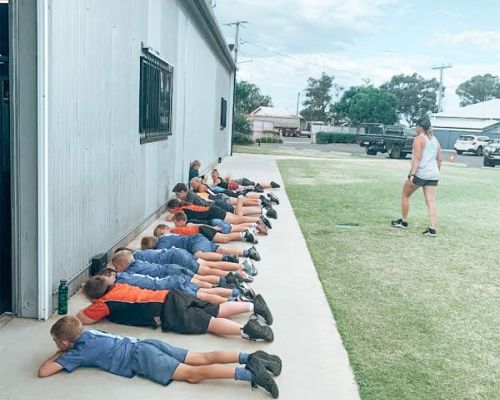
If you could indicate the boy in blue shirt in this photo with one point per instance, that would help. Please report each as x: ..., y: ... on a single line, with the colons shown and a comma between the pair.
x: 152, y: 359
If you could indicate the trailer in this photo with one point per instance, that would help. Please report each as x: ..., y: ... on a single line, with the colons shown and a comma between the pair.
x: 396, y: 140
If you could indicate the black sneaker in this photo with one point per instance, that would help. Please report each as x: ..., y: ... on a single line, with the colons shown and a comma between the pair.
x: 399, y: 223
x: 236, y: 279
x: 265, y: 221
x: 252, y: 330
x: 249, y: 268
x: 271, y: 213
x: 265, y: 201
x: 258, y: 188
x: 231, y: 258
x: 262, y: 378
x: 271, y: 362
x: 246, y: 291
x: 273, y: 198
x: 275, y: 185
x: 253, y: 254
x: 260, y: 308
x: 429, y: 232
x: 249, y: 237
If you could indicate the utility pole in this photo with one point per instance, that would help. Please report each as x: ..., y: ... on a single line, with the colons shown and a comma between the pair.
x: 298, y: 101
x: 236, y: 37
x: 440, y: 94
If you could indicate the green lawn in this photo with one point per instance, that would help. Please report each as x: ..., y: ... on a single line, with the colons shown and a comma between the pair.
x: 419, y: 316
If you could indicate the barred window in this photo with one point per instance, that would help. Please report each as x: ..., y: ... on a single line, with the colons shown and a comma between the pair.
x: 155, y: 99
x: 223, y: 113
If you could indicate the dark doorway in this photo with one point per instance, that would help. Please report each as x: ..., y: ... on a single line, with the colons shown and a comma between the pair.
x: 5, y: 172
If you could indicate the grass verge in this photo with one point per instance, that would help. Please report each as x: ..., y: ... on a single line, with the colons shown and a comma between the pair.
x: 419, y: 316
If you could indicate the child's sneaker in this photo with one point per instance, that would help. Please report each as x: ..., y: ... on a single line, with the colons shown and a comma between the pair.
x: 275, y: 185
x: 266, y: 222
x: 252, y: 330
x: 249, y: 237
x: 271, y: 362
x: 262, y: 378
x: 249, y: 268
x: 273, y: 198
x: 247, y: 291
x: 399, y: 223
x: 261, y: 228
x: 233, y: 258
x: 271, y: 213
x: 258, y: 188
x: 253, y: 254
x: 265, y: 201
x: 261, y: 308
x: 429, y: 232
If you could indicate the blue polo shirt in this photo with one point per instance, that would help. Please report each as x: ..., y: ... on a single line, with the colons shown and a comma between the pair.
x: 103, y: 350
x: 152, y: 283
x: 168, y: 256
x: 157, y: 270
x: 172, y: 240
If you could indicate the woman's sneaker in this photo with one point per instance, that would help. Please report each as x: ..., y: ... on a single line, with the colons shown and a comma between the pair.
x: 252, y: 330
x: 429, y: 232
x: 271, y: 362
x: 262, y: 378
x: 399, y: 223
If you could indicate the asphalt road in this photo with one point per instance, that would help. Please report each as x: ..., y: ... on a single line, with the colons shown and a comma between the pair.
x: 471, y: 160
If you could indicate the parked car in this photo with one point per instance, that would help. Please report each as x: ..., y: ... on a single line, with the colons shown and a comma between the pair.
x: 492, y: 153
x: 471, y: 143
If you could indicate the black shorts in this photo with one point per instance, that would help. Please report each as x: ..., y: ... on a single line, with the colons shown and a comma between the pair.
x: 185, y: 313
x: 424, y: 182
x: 215, y: 212
x: 208, y: 232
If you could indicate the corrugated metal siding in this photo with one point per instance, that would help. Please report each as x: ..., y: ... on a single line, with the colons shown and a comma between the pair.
x: 447, y: 138
x: 103, y: 183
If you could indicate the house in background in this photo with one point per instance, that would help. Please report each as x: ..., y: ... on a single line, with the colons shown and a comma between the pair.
x: 107, y: 103
x: 477, y: 119
x: 273, y: 119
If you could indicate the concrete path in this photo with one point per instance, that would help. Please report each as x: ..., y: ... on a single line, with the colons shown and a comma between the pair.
x: 315, y: 364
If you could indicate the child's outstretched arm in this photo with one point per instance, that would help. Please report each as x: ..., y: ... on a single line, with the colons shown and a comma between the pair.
x: 85, y: 320
x: 50, y: 367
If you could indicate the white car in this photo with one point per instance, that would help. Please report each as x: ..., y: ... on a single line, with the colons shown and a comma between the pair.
x: 471, y: 143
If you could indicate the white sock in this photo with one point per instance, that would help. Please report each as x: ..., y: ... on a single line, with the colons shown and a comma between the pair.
x: 250, y: 307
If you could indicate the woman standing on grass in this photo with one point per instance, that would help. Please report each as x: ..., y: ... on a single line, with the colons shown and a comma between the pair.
x: 425, y: 167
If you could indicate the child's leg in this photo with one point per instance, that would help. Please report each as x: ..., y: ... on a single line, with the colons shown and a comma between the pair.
x: 234, y: 308
x: 227, y: 237
x: 206, y: 279
x: 230, y: 250
x: 251, y: 210
x: 202, y: 270
x: 212, y: 357
x: 251, y: 201
x: 210, y: 298
x: 223, y: 292
x: 223, y: 265
x: 208, y: 255
x: 224, y: 326
x: 236, y: 219
x: 195, y: 374
x: 242, y: 227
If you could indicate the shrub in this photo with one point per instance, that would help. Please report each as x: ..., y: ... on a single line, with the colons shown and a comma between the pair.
x: 332, y: 137
x: 270, y: 139
x: 240, y: 138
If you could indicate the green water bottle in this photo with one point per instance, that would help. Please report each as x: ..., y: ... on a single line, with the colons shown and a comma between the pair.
x: 62, y: 297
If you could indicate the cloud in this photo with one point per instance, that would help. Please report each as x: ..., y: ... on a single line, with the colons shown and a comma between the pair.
x: 489, y: 39
x: 302, y: 26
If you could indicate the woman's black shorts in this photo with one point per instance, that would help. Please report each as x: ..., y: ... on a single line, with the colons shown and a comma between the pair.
x: 185, y: 313
x: 424, y: 182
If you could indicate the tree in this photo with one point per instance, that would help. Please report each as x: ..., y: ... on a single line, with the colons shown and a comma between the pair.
x: 241, y: 124
x: 248, y: 97
x: 318, y: 98
x: 415, y: 96
x: 479, y: 88
x: 372, y: 105
x: 340, y: 109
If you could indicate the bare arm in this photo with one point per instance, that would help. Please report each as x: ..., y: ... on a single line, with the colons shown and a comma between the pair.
x: 50, y: 367
x: 85, y: 320
x: 439, y: 156
x: 417, y: 154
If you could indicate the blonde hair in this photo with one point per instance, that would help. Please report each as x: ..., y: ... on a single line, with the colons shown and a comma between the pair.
x: 67, y: 328
x: 122, y: 256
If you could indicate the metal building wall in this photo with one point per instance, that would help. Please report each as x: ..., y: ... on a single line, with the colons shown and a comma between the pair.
x: 103, y: 182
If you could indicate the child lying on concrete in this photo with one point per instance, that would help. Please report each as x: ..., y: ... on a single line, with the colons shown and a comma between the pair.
x: 152, y: 359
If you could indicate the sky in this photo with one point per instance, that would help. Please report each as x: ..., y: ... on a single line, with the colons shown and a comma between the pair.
x: 287, y: 41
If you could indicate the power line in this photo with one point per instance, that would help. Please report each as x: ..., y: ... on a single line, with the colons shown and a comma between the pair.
x: 440, y: 93
x: 236, y: 37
